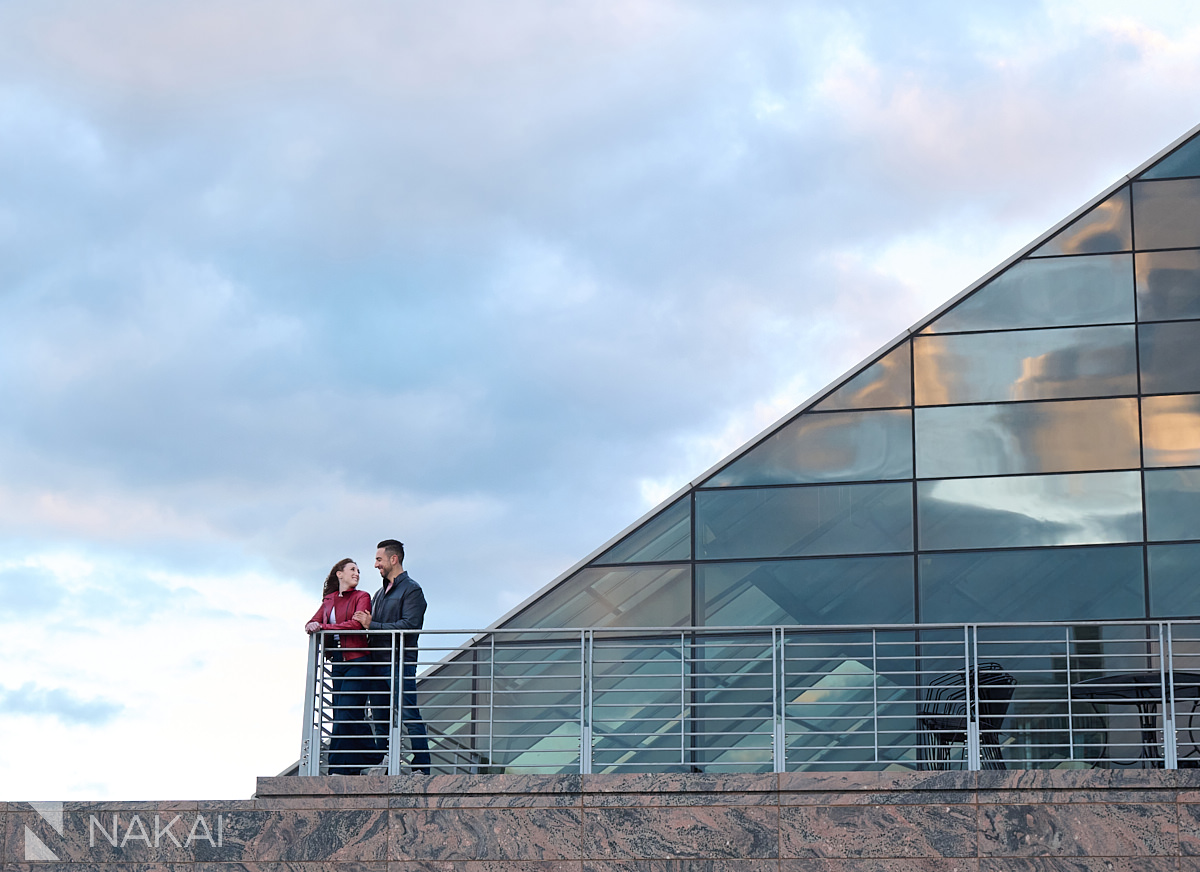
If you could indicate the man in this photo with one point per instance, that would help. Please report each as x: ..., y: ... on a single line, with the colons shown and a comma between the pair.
x: 398, y: 605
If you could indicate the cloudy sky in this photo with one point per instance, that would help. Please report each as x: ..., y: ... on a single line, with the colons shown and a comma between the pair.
x: 281, y: 279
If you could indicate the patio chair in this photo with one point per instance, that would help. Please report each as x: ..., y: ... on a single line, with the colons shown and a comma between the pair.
x: 942, y: 715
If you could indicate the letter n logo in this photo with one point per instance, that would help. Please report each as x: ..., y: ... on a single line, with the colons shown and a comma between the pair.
x: 35, y: 848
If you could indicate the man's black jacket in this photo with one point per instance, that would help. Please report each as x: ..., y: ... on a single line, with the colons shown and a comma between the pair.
x: 401, y: 608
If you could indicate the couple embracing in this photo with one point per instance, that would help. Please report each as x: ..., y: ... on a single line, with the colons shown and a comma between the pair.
x: 364, y: 667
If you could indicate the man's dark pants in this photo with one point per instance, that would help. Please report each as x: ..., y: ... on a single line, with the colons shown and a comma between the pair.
x: 410, y: 715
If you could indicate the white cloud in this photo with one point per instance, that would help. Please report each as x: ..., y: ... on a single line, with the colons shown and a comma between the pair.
x: 143, y: 679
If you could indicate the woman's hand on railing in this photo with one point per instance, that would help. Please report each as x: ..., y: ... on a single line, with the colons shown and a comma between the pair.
x: 312, y: 627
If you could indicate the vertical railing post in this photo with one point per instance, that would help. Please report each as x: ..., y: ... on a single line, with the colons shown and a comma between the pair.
x: 875, y: 691
x: 491, y: 736
x: 971, y: 692
x: 1167, y: 666
x: 1070, y: 698
x: 683, y: 731
x: 778, y: 699
x: 396, y: 695
x: 586, y: 662
x: 310, y: 741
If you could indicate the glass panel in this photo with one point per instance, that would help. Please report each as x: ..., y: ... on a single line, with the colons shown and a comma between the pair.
x: 1170, y: 364
x: 659, y: 596
x: 1172, y: 504
x: 1052, y: 715
x: 838, y: 446
x: 1167, y: 214
x: 1027, y: 437
x: 666, y: 536
x: 530, y: 721
x: 636, y: 705
x: 849, y: 700
x: 1056, y: 292
x: 731, y: 701
x: 839, y: 590
x: 1173, y: 589
x: 1049, y: 584
x: 1171, y: 430
x: 1078, y: 509
x: 1104, y: 228
x: 1025, y: 365
x: 885, y: 383
x: 1168, y: 285
x: 792, y: 521
x: 1183, y: 161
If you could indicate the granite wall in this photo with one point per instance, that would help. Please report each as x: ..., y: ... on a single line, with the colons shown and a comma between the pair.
x: 1118, y: 821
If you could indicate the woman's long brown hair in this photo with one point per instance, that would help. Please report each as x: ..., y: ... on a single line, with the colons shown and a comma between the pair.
x: 331, y: 581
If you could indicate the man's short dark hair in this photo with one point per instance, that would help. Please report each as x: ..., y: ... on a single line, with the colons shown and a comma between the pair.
x: 393, y: 546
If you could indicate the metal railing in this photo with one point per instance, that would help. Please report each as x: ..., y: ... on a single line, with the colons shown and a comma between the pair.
x: 762, y: 699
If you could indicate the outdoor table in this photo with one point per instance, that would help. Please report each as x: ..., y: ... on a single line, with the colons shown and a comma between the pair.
x: 1143, y: 690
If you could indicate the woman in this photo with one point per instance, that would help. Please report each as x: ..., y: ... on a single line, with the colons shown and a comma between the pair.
x: 352, y: 747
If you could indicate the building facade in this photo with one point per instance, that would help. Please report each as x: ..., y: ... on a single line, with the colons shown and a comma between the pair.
x: 1030, y: 452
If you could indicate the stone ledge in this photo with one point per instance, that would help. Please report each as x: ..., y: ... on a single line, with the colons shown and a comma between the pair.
x: 1007, y: 783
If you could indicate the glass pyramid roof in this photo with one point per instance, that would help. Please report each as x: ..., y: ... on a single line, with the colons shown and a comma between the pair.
x: 1030, y: 451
